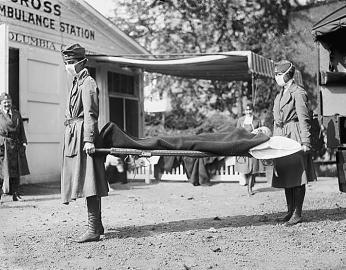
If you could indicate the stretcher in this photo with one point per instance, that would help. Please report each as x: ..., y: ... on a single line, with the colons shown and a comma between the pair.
x: 149, y: 153
x: 275, y: 147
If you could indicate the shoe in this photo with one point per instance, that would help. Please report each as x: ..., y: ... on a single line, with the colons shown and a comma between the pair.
x: 285, y: 218
x: 295, y: 219
x: 16, y: 197
x: 88, y: 236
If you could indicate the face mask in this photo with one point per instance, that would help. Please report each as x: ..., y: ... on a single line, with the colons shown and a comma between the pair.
x: 70, y: 68
x: 280, y: 80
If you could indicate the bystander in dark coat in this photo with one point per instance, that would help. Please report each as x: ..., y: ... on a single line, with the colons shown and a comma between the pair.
x: 13, y: 162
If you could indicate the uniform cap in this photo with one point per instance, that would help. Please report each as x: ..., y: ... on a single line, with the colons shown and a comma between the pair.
x: 74, y: 52
x: 282, y: 66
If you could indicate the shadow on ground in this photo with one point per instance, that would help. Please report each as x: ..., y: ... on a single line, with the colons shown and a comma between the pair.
x: 335, y: 214
x: 54, y: 188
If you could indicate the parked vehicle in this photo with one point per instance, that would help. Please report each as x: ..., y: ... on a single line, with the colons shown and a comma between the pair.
x: 330, y: 36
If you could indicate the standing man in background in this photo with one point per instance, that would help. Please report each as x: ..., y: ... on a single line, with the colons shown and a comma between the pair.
x: 83, y: 172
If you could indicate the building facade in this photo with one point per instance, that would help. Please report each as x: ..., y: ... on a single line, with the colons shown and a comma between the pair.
x: 32, y: 35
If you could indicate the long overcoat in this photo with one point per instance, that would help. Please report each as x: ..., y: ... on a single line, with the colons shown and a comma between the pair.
x: 248, y: 165
x: 82, y: 175
x: 292, y: 120
x: 13, y: 162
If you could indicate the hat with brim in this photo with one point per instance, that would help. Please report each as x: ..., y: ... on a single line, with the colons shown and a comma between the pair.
x: 276, y: 147
x: 74, y: 52
x: 5, y: 96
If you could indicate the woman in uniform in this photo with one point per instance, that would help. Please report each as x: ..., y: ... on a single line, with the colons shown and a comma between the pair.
x: 292, y: 120
x: 13, y: 162
x: 247, y: 167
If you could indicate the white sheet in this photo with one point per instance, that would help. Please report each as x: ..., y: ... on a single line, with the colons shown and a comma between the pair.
x: 276, y: 147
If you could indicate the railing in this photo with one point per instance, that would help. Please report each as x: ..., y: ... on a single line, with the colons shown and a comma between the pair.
x: 147, y: 173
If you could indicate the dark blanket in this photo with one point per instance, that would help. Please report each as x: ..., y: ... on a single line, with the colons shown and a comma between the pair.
x: 236, y: 142
x: 199, y: 171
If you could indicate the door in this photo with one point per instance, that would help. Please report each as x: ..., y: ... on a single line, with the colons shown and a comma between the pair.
x: 43, y: 88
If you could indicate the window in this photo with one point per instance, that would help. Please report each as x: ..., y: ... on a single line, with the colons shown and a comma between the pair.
x: 121, y: 83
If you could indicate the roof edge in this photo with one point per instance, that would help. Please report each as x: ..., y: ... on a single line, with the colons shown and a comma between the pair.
x: 110, y: 25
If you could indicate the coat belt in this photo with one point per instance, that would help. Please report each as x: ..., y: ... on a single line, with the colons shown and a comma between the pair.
x: 10, y: 135
x: 72, y: 120
x: 281, y: 124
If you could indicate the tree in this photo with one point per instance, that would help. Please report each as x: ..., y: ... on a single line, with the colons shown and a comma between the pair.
x: 169, y: 27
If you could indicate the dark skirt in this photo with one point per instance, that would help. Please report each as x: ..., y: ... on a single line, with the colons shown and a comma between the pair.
x: 291, y: 171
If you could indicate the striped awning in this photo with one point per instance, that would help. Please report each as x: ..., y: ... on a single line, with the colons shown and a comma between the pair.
x: 225, y: 66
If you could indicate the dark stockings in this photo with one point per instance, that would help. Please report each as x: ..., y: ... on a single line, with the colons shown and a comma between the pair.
x: 296, y: 204
x: 289, y: 194
x: 251, y: 184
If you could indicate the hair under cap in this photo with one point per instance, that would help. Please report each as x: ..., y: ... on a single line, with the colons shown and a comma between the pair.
x: 282, y: 66
x: 5, y: 96
x: 74, y: 52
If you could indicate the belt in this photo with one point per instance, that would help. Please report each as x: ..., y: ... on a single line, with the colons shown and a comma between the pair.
x: 69, y: 121
x: 11, y: 136
x: 282, y: 124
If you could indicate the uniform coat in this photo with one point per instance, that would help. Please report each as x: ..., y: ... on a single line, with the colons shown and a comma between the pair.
x: 13, y: 160
x: 292, y: 120
x: 82, y: 175
x: 248, y: 165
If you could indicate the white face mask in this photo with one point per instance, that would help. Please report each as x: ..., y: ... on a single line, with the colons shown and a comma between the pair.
x: 70, y: 68
x: 280, y: 80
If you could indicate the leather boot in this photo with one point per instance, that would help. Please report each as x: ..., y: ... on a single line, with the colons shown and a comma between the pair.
x: 14, y: 189
x: 299, y: 194
x: 16, y: 197
x: 92, y: 234
x: 100, y: 228
x: 289, y: 194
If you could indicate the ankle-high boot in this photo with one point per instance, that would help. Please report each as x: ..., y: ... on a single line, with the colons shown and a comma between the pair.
x: 92, y: 233
x: 100, y: 228
x: 289, y: 194
x: 299, y: 195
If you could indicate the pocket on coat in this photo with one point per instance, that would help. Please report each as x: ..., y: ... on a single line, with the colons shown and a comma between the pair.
x: 71, y: 145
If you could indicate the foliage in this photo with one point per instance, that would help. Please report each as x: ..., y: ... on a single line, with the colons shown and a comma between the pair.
x: 169, y: 27
x: 215, y: 122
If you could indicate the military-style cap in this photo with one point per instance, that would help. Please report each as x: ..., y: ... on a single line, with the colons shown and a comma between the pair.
x: 282, y: 66
x: 5, y: 96
x: 74, y: 52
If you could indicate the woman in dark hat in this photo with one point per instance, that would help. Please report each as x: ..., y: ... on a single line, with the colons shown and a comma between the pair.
x: 248, y: 167
x: 292, y: 120
x: 13, y: 162
x: 83, y: 173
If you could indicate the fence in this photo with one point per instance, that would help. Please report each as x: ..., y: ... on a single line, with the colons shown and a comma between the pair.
x: 147, y: 173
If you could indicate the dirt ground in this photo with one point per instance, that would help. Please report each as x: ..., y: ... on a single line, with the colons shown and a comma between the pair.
x: 174, y: 225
